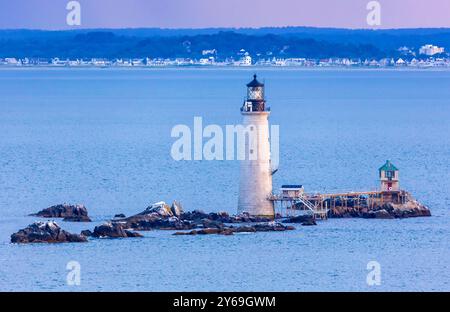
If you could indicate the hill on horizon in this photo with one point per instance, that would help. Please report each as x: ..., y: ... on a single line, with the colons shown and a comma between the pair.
x: 263, y: 42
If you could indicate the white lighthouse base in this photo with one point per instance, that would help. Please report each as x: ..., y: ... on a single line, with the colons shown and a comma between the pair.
x: 255, y: 183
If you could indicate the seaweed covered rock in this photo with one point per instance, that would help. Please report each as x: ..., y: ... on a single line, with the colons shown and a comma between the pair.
x: 76, y: 213
x: 45, y: 232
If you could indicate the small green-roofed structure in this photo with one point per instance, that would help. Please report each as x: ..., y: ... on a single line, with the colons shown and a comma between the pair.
x: 388, y: 166
x: 389, y: 177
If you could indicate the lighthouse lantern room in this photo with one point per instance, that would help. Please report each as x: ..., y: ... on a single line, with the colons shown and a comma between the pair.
x: 255, y: 97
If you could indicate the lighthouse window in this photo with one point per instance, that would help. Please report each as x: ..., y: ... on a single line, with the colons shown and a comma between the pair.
x: 255, y: 93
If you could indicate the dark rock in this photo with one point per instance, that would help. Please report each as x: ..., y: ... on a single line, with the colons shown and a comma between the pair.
x: 120, y: 215
x: 194, y: 215
x: 247, y: 218
x: 45, y: 232
x: 76, y: 213
x: 194, y: 232
x: 198, y: 216
x: 87, y: 233
x: 113, y: 230
x: 411, y: 208
x: 209, y: 231
x: 369, y: 215
x: 206, y: 223
x: 260, y: 227
x: 244, y: 229
x: 77, y: 219
x: 309, y: 222
x: 226, y: 231
x: 159, y: 216
x: 383, y: 214
x: 133, y: 234
x: 223, y: 217
x: 152, y: 223
x: 305, y: 220
x: 272, y: 226
x: 299, y: 219
x: 378, y: 214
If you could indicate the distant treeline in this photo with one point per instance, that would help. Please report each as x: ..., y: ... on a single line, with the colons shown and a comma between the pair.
x: 289, y: 42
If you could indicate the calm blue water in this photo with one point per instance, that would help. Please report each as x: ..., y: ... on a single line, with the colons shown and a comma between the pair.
x: 102, y: 138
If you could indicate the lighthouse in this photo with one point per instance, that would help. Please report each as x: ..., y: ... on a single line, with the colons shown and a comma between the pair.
x: 389, y: 177
x: 255, y: 181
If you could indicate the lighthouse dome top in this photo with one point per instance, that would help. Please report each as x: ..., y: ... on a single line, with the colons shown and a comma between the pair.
x: 255, y: 83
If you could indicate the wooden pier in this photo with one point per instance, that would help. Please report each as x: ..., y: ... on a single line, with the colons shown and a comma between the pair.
x: 322, y: 205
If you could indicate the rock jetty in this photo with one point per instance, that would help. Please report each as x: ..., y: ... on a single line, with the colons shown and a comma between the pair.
x: 70, y: 213
x: 45, y: 232
x: 409, y: 209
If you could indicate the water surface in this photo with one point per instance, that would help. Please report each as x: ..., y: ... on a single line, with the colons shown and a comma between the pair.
x: 101, y: 137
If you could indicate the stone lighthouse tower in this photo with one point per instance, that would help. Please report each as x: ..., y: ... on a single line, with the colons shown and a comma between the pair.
x: 255, y: 183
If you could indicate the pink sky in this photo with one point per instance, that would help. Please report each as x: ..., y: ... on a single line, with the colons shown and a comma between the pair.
x: 51, y: 14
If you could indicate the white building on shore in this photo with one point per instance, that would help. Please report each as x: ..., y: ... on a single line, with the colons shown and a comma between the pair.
x: 431, y: 50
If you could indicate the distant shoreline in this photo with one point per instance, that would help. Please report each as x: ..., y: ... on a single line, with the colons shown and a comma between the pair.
x: 230, y: 67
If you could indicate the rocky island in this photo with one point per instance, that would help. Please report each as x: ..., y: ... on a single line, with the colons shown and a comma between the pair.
x: 45, y: 232
x: 161, y: 216
x: 71, y: 213
x: 400, y: 207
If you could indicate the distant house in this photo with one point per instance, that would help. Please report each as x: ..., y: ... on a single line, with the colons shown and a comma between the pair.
x: 430, y: 50
x: 400, y: 62
x: 246, y: 60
